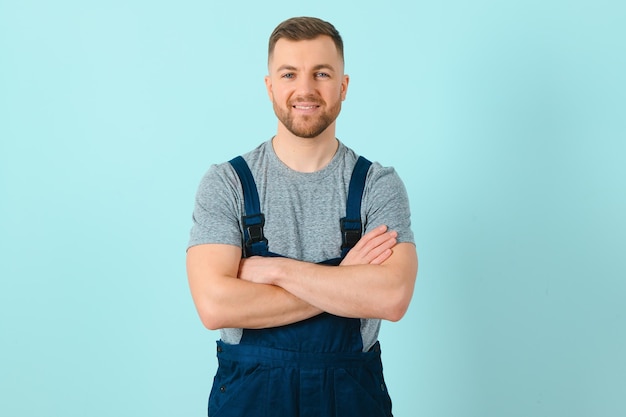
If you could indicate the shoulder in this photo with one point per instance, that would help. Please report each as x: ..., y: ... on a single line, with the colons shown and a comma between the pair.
x: 385, y: 201
x: 223, y: 175
x: 376, y: 171
x: 379, y: 177
x: 385, y: 174
x: 218, y: 179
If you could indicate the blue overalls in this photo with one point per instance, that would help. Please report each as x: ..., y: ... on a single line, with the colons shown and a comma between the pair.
x: 312, y: 368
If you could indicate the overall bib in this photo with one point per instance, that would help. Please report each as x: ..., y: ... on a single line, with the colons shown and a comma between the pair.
x: 312, y: 368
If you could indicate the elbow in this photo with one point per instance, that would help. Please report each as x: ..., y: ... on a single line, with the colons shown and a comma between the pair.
x: 398, y: 302
x: 396, y: 316
x: 395, y: 311
x: 210, y: 323
x: 401, y: 292
x: 209, y: 318
x: 211, y: 308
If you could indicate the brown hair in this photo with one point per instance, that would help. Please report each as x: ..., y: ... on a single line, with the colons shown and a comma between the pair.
x: 304, y: 28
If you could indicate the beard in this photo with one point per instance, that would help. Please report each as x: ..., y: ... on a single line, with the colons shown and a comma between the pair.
x: 307, y: 126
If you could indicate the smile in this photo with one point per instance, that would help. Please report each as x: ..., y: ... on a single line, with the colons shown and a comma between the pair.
x: 301, y: 107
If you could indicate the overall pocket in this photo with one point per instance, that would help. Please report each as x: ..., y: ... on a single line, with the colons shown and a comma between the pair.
x: 361, y: 392
x: 239, y: 389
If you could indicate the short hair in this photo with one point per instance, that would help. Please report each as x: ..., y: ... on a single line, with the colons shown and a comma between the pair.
x: 303, y: 29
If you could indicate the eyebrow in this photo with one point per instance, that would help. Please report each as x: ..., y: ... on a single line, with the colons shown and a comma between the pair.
x: 318, y: 67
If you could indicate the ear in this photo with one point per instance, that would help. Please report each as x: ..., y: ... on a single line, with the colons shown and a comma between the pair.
x: 268, y: 87
x: 344, y: 87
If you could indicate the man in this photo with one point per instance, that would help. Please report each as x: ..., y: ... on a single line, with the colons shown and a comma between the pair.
x: 299, y: 336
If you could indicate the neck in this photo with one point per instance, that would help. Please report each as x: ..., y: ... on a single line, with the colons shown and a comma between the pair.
x: 305, y: 154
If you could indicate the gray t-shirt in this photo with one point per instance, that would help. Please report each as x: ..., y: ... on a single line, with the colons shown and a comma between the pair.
x: 302, y: 210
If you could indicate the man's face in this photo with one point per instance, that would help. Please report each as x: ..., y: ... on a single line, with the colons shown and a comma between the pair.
x: 306, y: 84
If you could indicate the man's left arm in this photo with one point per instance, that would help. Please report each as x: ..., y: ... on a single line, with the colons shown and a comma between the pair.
x: 380, y: 291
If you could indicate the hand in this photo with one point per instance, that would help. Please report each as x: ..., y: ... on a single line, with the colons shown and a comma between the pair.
x: 373, y: 248
x: 258, y: 269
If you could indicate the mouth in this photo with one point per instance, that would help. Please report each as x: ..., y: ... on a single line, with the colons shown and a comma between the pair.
x: 305, y: 106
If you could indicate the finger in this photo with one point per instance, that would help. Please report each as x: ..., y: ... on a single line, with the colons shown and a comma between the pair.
x: 383, y: 240
x: 382, y: 257
x: 383, y: 247
x: 372, y: 245
x: 372, y: 234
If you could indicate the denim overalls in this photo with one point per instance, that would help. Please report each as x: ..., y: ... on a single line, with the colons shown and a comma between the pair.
x: 312, y: 368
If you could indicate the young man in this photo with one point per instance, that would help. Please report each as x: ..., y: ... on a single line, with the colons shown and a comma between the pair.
x: 299, y: 335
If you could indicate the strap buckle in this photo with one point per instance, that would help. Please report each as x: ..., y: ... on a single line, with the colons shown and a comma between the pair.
x: 350, y: 233
x: 253, y: 234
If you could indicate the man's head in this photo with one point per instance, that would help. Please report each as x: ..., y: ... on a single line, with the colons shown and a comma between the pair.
x: 306, y: 80
x: 304, y: 29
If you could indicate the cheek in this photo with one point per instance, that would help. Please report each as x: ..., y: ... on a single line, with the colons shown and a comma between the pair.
x: 279, y: 95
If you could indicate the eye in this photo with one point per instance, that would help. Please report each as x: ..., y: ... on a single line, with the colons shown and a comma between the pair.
x: 322, y: 75
x: 288, y: 75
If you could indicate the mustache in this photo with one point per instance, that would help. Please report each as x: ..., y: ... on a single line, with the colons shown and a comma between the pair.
x: 307, y: 99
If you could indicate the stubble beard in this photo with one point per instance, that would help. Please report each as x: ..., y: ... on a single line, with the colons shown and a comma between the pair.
x: 306, y: 126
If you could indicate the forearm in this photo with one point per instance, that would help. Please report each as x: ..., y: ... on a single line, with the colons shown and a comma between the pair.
x: 239, y: 304
x: 364, y: 291
x: 223, y: 300
x: 360, y: 291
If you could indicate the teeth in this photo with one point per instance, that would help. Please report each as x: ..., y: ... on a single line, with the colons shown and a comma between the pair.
x: 304, y: 107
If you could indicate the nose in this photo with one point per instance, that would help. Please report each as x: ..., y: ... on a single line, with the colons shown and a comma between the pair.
x: 305, y: 85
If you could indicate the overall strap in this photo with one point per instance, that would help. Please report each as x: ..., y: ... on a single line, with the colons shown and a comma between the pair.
x: 351, y: 225
x: 254, y: 241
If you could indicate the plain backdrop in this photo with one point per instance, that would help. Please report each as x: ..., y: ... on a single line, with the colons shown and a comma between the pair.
x: 506, y: 120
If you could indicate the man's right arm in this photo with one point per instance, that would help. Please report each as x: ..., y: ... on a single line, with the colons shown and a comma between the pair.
x: 225, y: 301
x: 221, y: 298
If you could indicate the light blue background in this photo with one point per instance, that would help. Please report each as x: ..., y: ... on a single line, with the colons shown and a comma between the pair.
x: 506, y: 119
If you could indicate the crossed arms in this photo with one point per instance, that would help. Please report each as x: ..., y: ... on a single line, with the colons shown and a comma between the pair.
x: 375, y: 280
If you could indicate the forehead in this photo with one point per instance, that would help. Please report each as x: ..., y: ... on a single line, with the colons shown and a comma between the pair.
x: 320, y: 50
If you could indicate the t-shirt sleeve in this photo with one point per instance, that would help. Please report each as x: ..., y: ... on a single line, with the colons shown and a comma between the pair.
x: 217, y: 208
x: 386, y: 202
